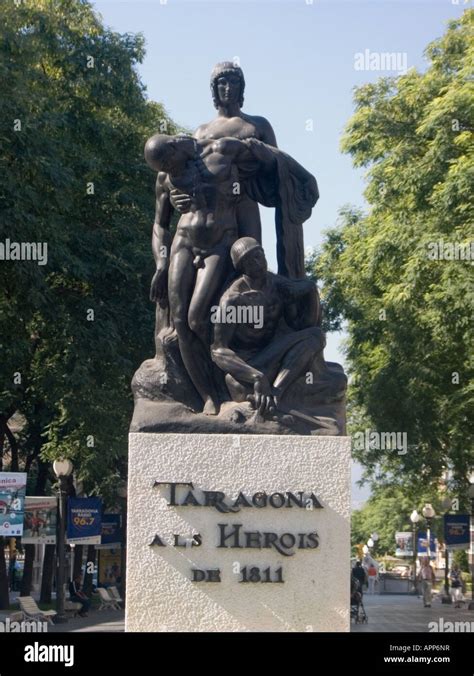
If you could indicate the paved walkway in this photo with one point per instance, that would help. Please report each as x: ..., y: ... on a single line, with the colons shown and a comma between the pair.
x: 386, y: 613
x: 104, y: 620
x: 393, y: 613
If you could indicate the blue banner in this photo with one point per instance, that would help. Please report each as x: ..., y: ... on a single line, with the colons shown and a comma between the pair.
x: 423, y: 544
x: 456, y: 530
x: 84, y: 520
x: 111, y: 530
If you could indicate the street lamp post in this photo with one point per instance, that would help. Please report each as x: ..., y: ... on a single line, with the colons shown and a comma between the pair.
x: 471, y: 496
x: 414, y: 518
x: 62, y: 469
x: 446, y: 597
x: 375, y: 538
x: 429, y: 514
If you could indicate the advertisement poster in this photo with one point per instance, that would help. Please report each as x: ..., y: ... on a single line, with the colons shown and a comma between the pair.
x: 404, y: 542
x: 111, y: 532
x: 39, y: 526
x: 12, y: 503
x: 423, y: 544
x: 456, y: 531
x: 109, y: 567
x: 84, y: 521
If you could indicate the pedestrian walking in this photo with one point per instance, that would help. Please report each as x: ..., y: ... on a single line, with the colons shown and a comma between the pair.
x: 456, y: 584
x: 372, y: 574
x: 361, y: 576
x: 427, y: 577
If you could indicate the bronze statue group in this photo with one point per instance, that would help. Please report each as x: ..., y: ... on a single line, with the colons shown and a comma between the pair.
x: 215, y: 267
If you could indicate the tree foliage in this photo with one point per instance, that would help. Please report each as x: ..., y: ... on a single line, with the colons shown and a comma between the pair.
x: 408, y: 314
x: 387, y: 512
x: 74, y: 121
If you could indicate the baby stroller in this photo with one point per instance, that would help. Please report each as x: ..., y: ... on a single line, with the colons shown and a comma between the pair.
x: 358, y: 613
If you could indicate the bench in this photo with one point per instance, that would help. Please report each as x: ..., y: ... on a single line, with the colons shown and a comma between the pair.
x: 72, y: 607
x: 106, y: 601
x: 30, y: 610
x: 115, y: 594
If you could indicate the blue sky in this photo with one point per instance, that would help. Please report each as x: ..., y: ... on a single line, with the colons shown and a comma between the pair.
x: 298, y: 58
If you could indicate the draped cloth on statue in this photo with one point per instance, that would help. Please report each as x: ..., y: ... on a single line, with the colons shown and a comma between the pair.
x: 293, y: 191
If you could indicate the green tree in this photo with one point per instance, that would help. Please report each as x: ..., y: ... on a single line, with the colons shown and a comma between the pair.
x: 460, y: 557
x: 387, y: 512
x: 74, y: 121
x: 408, y: 311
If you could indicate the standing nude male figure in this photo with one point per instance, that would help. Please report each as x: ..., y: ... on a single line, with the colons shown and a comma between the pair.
x: 227, y: 88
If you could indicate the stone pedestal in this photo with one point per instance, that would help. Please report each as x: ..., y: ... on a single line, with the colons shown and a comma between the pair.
x: 271, y: 554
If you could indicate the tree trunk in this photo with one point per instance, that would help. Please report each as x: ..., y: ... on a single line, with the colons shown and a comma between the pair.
x: 47, y: 576
x: 41, y: 479
x: 77, y: 565
x: 4, y: 596
x: 14, y: 467
x: 91, y: 553
x: 27, y: 579
x: 43, y: 471
x: 2, y: 445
